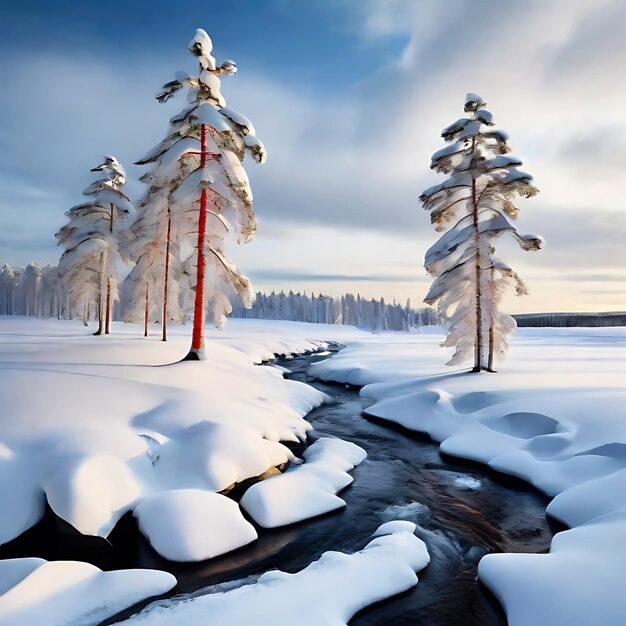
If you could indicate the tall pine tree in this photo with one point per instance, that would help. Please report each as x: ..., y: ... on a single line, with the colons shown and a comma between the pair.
x: 198, y: 186
x: 475, y: 206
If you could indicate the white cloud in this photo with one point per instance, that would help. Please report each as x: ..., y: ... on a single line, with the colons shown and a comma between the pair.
x: 356, y: 163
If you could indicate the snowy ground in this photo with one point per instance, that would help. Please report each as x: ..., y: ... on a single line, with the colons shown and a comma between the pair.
x: 96, y: 427
x: 555, y: 416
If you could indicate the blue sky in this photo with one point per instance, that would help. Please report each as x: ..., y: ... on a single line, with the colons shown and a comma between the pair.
x: 349, y: 97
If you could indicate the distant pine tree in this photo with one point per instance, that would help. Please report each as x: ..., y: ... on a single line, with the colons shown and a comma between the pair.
x: 92, y: 241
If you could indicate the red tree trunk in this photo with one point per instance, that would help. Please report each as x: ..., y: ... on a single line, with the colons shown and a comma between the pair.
x: 196, y: 353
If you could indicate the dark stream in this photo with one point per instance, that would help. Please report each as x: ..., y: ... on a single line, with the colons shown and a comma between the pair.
x: 464, y: 511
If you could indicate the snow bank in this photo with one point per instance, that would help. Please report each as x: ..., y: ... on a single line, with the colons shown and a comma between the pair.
x: 307, y: 489
x: 193, y: 525
x: 581, y: 580
x: 554, y: 416
x: 340, y: 585
x: 39, y: 593
x: 94, y: 426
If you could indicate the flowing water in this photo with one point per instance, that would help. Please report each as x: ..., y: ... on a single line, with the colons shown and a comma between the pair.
x: 463, y: 510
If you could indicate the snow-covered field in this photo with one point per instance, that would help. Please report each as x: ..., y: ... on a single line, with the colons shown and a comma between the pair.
x: 555, y: 416
x: 94, y: 426
x: 97, y: 428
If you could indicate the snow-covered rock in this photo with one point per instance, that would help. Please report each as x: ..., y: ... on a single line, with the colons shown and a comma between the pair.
x: 307, y: 489
x: 40, y: 593
x: 193, y: 525
x: 92, y: 493
x: 215, y: 456
x: 326, y: 593
x: 580, y: 582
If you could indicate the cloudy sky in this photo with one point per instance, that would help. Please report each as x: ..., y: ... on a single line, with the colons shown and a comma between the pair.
x: 349, y: 97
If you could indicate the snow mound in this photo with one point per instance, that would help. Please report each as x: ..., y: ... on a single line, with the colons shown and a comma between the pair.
x: 215, y: 456
x: 304, y: 490
x: 342, y: 585
x: 193, y: 525
x: 39, y: 593
x: 21, y: 495
x: 590, y: 500
x: 13, y: 571
x: 579, y: 582
x: 92, y: 493
x: 393, y: 527
x: 522, y: 425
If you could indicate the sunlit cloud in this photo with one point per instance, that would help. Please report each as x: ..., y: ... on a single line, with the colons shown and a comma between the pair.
x: 352, y: 161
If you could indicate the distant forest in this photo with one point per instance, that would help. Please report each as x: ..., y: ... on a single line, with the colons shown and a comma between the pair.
x: 347, y: 309
x: 568, y: 320
x: 35, y: 291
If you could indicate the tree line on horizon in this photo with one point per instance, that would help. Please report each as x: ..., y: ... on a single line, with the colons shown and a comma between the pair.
x: 37, y: 291
x: 349, y: 310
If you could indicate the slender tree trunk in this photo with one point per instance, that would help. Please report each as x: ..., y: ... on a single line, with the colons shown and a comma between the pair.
x: 85, y: 313
x: 100, y: 303
x: 100, y: 314
x: 145, y: 314
x: 196, y: 353
x: 107, y: 317
x: 491, y: 328
x: 167, y: 271
x: 478, y: 348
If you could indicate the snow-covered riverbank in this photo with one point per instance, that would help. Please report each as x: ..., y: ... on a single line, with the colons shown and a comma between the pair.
x: 555, y: 416
x: 96, y: 428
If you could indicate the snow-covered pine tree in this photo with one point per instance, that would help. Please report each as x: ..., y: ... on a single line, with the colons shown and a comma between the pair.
x: 147, y: 291
x: 477, y: 198
x: 8, y: 289
x: 198, y: 177
x: 91, y: 240
x: 30, y: 281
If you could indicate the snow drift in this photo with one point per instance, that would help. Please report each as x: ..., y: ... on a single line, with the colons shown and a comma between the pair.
x: 341, y: 585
